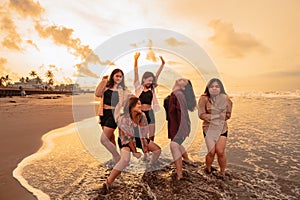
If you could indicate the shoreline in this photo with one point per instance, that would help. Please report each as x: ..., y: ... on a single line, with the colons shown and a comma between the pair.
x: 23, y: 123
x: 15, y: 91
x: 48, y: 145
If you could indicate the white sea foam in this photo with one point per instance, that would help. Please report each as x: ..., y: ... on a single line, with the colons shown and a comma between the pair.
x: 46, y: 148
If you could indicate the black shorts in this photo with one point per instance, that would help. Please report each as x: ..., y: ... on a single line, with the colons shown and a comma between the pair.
x: 150, y: 116
x: 138, y: 143
x: 223, y: 134
x: 108, y: 119
x: 178, y: 140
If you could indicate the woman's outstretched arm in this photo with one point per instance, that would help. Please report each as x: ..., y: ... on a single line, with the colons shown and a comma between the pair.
x: 101, y: 87
x: 160, y: 68
x: 136, y: 70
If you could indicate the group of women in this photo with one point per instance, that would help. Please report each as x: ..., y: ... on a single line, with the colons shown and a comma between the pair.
x: 133, y: 114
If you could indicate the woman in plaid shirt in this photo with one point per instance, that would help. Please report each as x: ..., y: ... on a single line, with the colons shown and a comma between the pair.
x: 133, y: 132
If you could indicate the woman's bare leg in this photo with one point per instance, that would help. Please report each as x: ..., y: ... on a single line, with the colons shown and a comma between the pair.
x: 156, y: 151
x: 177, y: 157
x: 123, y: 162
x: 209, y: 159
x: 106, y: 140
x: 220, y: 151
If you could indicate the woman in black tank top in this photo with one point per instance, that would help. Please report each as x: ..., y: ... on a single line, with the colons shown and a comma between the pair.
x: 110, y: 96
x: 145, y: 91
x: 146, y: 97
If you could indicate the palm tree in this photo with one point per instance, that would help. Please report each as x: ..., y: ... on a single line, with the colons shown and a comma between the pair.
x: 6, y: 80
x: 33, y: 74
x: 22, y: 80
x: 51, y: 81
x: 2, y: 80
x: 38, y: 80
x: 49, y: 74
x: 27, y: 79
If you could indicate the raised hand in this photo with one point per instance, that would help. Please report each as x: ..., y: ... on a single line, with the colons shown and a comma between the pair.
x: 162, y: 60
x: 137, y: 55
x: 105, y: 77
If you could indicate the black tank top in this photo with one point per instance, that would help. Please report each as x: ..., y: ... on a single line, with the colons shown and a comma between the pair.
x: 146, y: 97
x: 111, y: 98
x: 136, y: 131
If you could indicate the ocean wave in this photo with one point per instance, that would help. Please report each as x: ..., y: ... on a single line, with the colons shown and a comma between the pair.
x: 270, y: 94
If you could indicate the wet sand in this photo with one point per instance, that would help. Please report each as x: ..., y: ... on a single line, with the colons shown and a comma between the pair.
x: 23, y: 122
x: 70, y: 172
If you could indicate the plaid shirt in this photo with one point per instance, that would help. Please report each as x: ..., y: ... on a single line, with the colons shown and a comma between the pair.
x: 126, y: 128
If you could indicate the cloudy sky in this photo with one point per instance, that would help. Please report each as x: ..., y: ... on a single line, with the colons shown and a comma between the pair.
x: 254, y: 44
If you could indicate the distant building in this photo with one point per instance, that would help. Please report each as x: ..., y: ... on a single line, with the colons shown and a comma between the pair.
x: 31, y: 84
x: 34, y: 84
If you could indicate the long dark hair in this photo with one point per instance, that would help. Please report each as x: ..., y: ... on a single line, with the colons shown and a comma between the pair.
x: 147, y: 75
x: 206, y: 91
x: 111, y: 82
x: 131, y: 102
x: 190, y: 96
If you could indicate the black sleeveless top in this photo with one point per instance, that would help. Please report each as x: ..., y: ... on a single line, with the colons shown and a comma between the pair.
x: 146, y: 97
x: 136, y: 131
x: 111, y: 97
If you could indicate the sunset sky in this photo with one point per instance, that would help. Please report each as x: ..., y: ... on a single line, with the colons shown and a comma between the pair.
x: 254, y: 44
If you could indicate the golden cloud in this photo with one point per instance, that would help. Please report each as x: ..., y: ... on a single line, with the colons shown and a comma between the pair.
x: 151, y: 54
x: 67, y: 80
x: 63, y: 36
x: 33, y: 44
x: 12, y: 39
x: 84, y: 71
x: 5, y: 71
x: 234, y: 44
x: 26, y: 8
x: 133, y: 45
x: 41, y: 67
x: 3, y: 62
x: 60, y: 35
x: 94, y: 59
x: 173, y: 63
x: 174, y: 42
x: 53, y: 67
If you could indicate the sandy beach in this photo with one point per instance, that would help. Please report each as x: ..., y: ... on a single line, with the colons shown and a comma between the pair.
x: 63, y: 168
x: 23, y: 122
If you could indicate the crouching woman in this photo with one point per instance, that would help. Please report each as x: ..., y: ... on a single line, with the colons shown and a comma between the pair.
x: 133, y: 132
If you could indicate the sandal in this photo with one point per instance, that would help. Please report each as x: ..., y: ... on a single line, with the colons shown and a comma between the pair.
x: 105, y: 189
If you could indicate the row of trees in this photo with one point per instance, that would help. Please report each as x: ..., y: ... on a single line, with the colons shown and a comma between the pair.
x: 5, y: 80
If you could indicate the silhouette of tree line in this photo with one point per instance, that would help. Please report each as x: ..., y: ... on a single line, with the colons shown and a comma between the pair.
x: 6, y: 81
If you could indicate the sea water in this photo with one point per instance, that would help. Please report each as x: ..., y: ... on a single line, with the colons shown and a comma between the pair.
x: 262, y: 149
